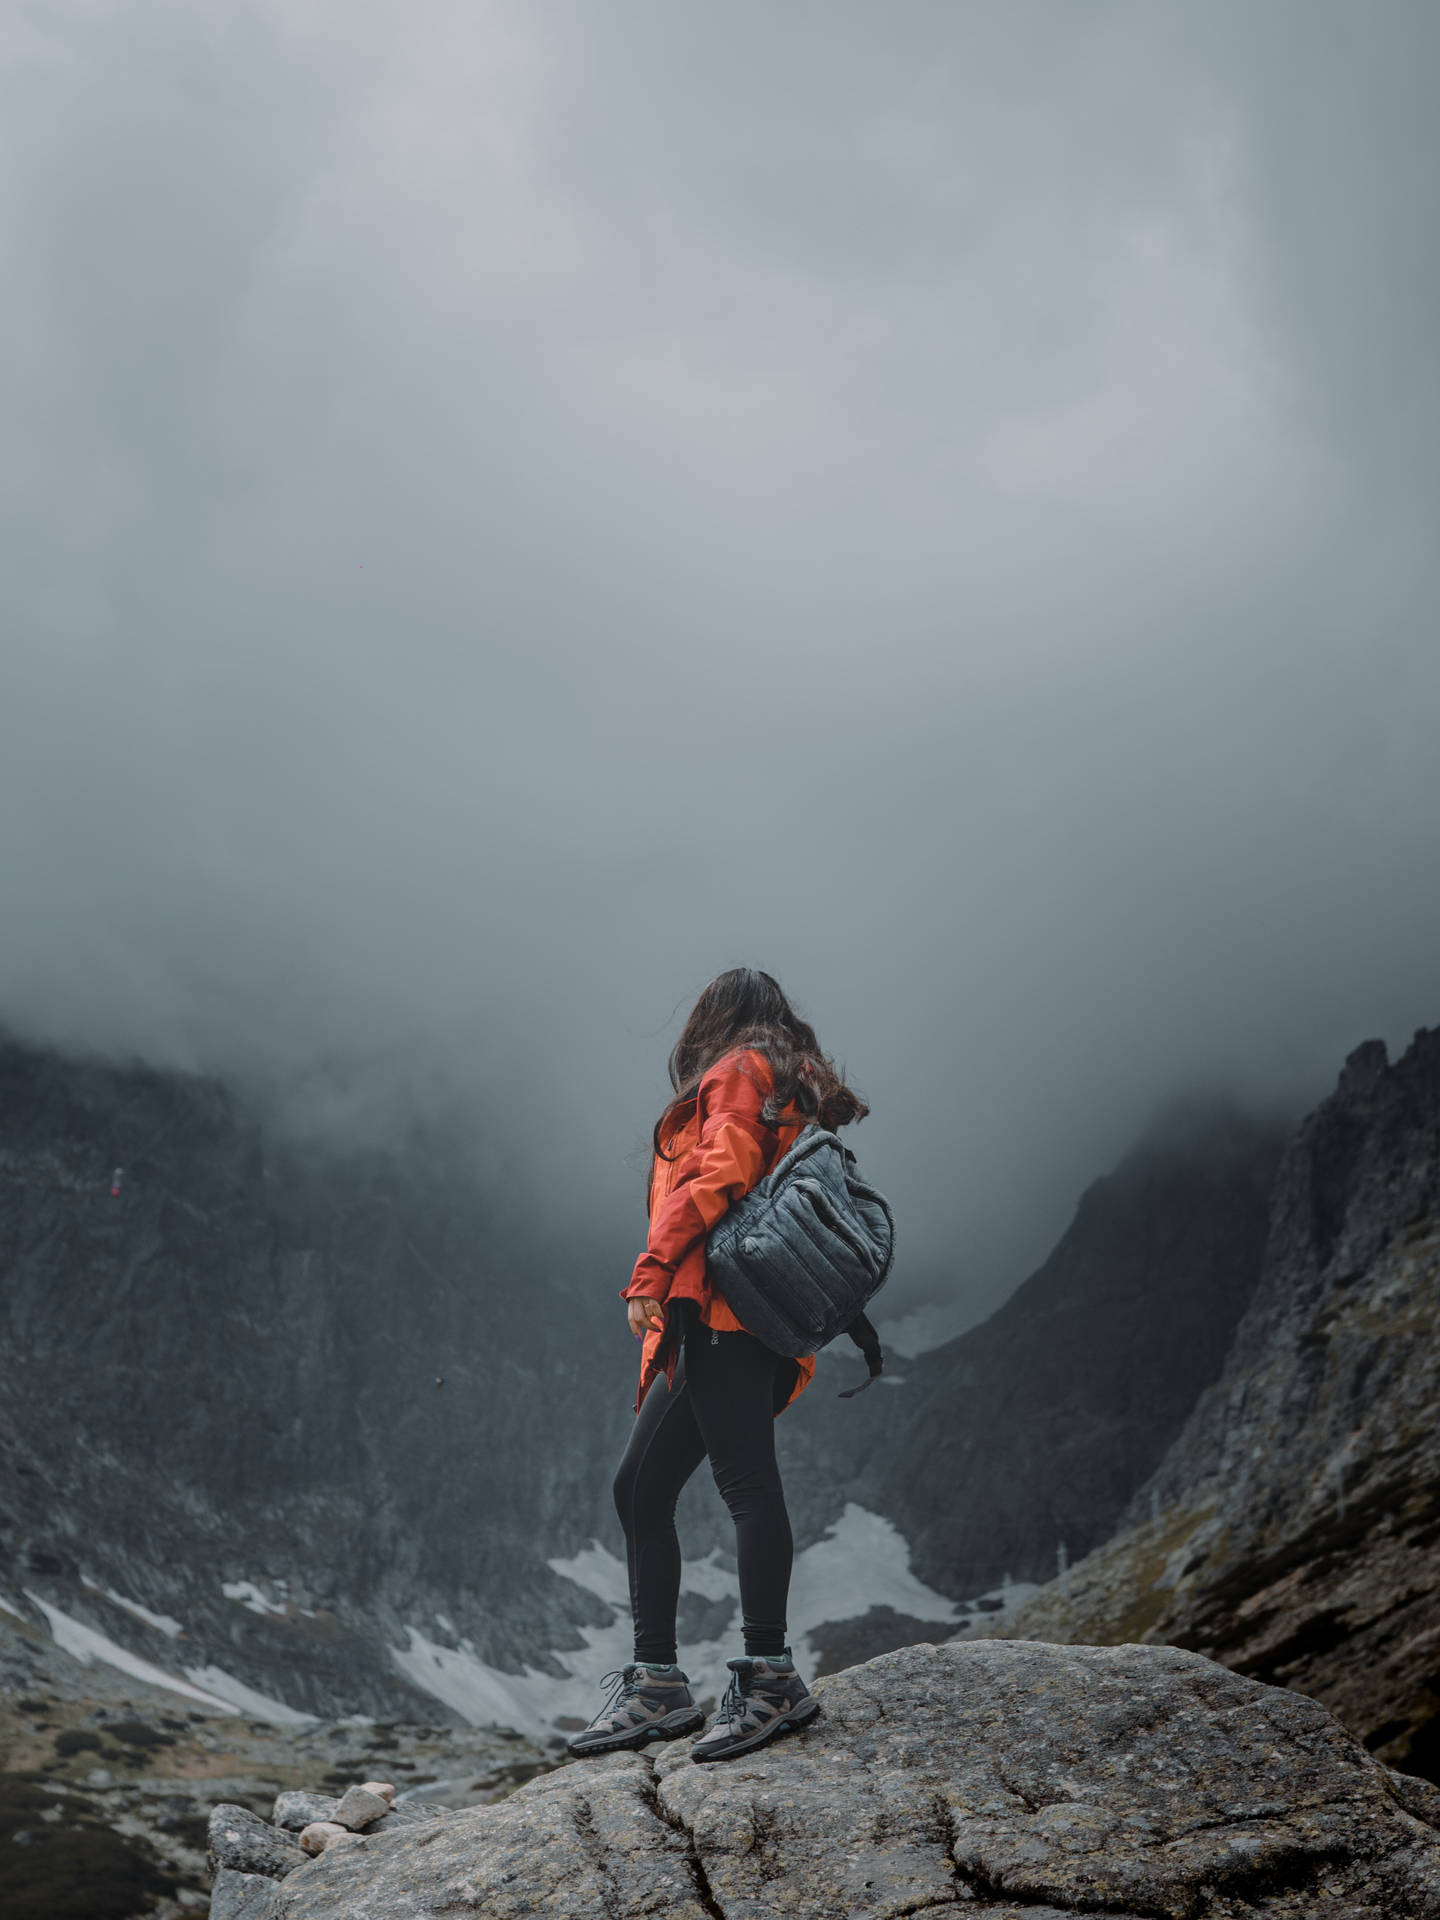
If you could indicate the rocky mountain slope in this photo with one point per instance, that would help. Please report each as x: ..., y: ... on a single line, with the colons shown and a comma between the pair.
x: 315, y: 1432
x: 1017, y: 1782
x: 1293, y: 1530
x: 1031, y: 1432
x: 258, y: 1406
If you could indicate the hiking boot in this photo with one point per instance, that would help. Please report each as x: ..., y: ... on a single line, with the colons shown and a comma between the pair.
x: 765, y: 1698
x: 643, y: 1706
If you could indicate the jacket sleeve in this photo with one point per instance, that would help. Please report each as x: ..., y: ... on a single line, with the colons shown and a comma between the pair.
x: 726, y: 1163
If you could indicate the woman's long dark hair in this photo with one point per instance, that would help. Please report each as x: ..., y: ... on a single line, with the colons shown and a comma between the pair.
x: 746, y: 1008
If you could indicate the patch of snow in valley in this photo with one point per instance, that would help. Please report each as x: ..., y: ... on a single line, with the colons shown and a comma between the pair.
x: 162, y: 1621
x: 251, y: 1598
x: 861, y: 1562
x: 598, y: 1572
x: 705, y: 1577
x: 85, y: 1644
x: 259, y: 1706
x: 209, y: 1686
x: 9, y: 1609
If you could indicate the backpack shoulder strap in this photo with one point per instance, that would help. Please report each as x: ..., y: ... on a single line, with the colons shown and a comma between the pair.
x: 868, y: 1341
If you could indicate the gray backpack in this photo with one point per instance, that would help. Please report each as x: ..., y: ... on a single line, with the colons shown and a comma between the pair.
x: 800, y: 1256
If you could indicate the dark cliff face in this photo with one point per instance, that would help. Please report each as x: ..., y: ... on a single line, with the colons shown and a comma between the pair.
x: 1298, y: 1528
x: 1036, y: 1428
x: 227, y: 1371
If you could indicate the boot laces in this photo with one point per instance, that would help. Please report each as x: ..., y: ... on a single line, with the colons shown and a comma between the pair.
x: 622, y: 1682
x: 732, y: 1707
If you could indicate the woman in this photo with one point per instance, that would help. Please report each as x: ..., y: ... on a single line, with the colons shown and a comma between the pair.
x: 748, y: 1074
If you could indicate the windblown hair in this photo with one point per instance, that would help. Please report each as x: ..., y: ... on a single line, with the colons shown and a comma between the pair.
x: 746, y: 1008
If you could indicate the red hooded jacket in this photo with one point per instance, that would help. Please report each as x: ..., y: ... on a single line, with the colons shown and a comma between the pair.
x: 711, y: 1158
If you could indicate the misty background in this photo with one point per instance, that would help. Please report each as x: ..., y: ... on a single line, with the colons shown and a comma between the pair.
x: 511, y: 509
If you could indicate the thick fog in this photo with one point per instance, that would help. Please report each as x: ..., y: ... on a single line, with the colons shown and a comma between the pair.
x: 511, y: 508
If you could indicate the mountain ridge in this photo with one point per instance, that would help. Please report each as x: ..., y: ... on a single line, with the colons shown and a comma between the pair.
x: 1293, y: 1528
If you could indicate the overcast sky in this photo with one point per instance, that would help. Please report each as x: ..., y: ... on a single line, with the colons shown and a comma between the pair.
x: 511, y: 508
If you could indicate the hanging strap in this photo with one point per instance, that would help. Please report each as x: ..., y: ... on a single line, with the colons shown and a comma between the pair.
x: 868, y: 1341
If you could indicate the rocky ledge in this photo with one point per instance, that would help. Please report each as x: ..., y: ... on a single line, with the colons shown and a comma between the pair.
x: 1013, y: 1780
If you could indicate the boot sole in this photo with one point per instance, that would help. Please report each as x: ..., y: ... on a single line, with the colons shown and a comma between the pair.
x: 799, y: 1715
x: 675, y: 1726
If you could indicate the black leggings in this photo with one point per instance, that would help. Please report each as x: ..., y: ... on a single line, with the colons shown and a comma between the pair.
x: 723, y: 1404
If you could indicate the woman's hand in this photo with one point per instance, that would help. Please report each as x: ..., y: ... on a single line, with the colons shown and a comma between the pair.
x: 645, y: 1315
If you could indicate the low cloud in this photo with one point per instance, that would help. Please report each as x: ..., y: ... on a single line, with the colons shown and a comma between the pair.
x: 513, y: 509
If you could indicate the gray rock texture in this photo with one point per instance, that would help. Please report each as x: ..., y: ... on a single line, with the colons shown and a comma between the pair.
x: 297, y: 1809
x: 241, y: 1896
x: 999, y: 1779
x: 1293, y: 1530
x: 244, y: 1843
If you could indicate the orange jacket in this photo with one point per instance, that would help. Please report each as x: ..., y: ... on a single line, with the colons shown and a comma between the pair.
x: 710, y: 1160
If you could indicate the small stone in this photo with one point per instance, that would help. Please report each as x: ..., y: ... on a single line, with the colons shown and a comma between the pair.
x: 297, y: 1810
x: 320, y: 1834
x: 360, y: 1808
x: 242, y: 1896
x: 383, y: 1788
x: 243, y: 1842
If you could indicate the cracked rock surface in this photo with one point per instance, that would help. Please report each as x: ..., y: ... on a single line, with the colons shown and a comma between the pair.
x: 1007, y: 1779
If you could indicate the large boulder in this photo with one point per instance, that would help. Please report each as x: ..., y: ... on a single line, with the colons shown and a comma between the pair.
x: 1003, y: 1779
x: 242, y: 1842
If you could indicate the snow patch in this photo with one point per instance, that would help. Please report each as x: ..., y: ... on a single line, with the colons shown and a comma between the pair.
x: 258, y: 1706
x: 86, y: 1645
x: 478, y: 1693
x: 162, y: 1621
x: 862, y: 1562
x: 251, y: 1598
x: 598, y: 1572
x: 707, y: 1578
x: 9, y: 1609
x: 533, y: 1701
